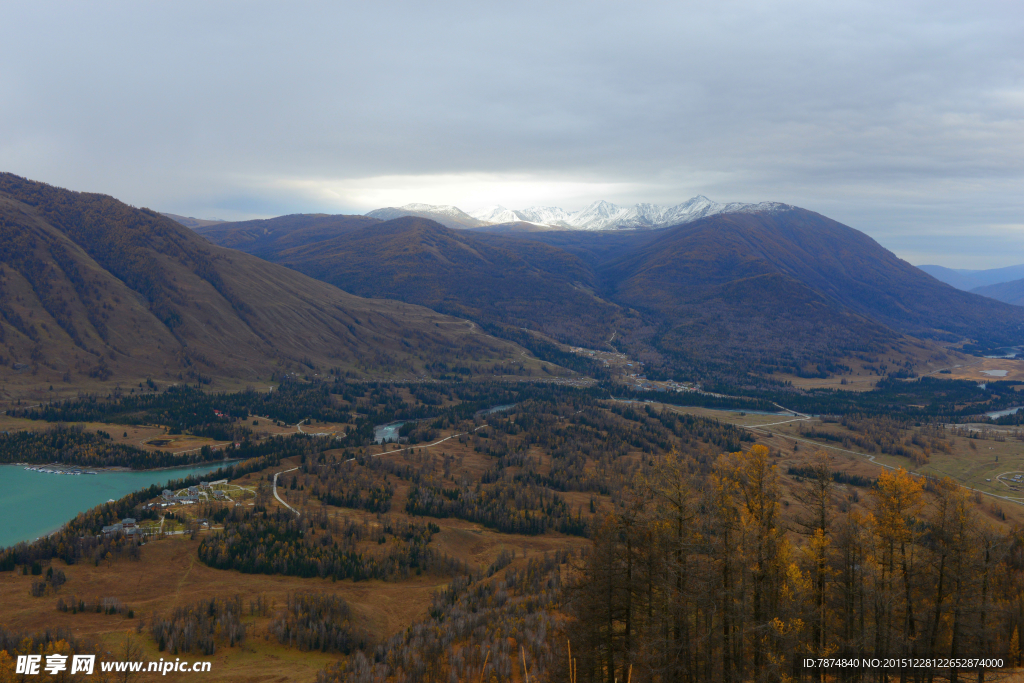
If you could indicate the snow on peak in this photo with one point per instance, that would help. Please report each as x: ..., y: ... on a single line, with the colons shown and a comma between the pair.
x: 443, y: 209
x: 545, y: 215
x: 600, y: 215
x: 496, y: 214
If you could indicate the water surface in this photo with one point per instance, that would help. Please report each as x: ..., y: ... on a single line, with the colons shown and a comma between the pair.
x: 1000, y: 413
x: 388, y: 432
x: 35, y: 503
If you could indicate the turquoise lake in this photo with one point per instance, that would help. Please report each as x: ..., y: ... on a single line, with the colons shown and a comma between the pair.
x: 35, y: 503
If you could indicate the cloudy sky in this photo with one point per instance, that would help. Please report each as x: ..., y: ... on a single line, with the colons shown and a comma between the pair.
x: 904, y: 120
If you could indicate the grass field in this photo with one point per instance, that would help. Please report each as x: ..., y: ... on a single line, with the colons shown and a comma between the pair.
x: 169, y: 574
x: 986, y: 369
x: 996, y: 452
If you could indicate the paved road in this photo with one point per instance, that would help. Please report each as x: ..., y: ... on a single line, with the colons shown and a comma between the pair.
x: 279, y: 499
x: 429, y: 445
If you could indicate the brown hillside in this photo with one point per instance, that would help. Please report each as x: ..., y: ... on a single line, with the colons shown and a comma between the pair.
x: 843, y: 264
x: 490, y: 278
x: 91, y: 288
x: 269, y: 236
x: 191, y: 222
x: 785, y: 291
x: 1011, y: 292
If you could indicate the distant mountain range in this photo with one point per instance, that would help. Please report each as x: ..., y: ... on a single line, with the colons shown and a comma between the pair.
x: 449, y: 216
x: 92, y: 289
x: 1002, y: 284
x: 734, y: 294
x: 1011, y: 292
x: 600, y: 215
x: 190, y: 222
x: 968, y: 280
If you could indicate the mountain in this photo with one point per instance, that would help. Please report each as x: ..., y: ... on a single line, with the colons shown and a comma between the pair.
x: 763, y: 288
x: 797, y: 274
x: 449, y: 216
x: 514, y: 227
x: 93, y: 289
x: 1011, y: 292
x: 969, y: 280
x: 600, y: 215
x: 271, y: 235
x: 493, y: 279
x: 496, y: 214
x: 190, y: 222
x: 546, y: 215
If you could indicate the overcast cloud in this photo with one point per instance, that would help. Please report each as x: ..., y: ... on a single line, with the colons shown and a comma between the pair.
x: 904, y: 120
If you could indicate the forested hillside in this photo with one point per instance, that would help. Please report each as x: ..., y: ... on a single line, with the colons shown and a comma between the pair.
x: 489, y: 278
x: 1011, y: 292
x: 732, y: 297
x: 93, y: 289
x: 269, y: 236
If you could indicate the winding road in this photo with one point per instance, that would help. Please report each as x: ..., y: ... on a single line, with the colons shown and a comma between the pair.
x: 279, y: 498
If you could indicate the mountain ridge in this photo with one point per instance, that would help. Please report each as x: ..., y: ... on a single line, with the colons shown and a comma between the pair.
x: 1011, y: 292
x: 93, y: 289
x: 780, y: 289
x: 970, y: 280
x: 446, y: 215
x: 598, y: 215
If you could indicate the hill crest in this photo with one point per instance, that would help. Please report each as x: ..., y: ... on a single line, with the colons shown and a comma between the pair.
x: 95, y: 289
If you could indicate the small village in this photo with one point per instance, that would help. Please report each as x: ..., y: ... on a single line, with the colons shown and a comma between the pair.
x: 633, y: 372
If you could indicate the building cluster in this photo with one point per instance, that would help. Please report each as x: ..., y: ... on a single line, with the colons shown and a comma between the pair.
x: 127, y: 526
x: 191, y: 495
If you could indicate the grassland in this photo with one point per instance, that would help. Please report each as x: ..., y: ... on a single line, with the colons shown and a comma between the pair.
x: 465, y: 455
x: 975, y: 462
x: 987, y: 369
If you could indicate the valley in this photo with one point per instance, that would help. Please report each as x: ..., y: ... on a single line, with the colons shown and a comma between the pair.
x: 382, y: 450
x: 470, y: 492
x: 97, y: 293
x: 742, y: 299
x: 511, y: 343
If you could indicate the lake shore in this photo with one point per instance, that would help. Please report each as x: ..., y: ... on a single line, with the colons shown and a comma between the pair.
x: 34, y: 505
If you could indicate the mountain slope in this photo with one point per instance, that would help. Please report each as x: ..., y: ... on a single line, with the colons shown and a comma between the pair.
x: 969, y: 280
x: 1011, y: 292
x: 94, y: 288
x: 837, y: 261
x: 489, y: 278
x: 272, y: 235
x: 190, y: 222
x: 753, y: 291
x: 952, y: 277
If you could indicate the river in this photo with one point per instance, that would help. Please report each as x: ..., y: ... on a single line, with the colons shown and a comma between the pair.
x: 1000, y: 413
x: 35, y: 503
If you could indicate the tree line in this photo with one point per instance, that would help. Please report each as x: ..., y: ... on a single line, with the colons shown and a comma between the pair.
x: 698, y: 577
x: 72, y: 445
x: 199, y: 627
x: 478, y: 629
x: 317, y: 545
x: 319, y: 621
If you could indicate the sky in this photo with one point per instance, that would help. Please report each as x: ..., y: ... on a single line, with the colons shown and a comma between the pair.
x: 904, y: 120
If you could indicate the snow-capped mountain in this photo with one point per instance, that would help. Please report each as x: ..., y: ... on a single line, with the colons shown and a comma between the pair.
x: 545, y: 215
x: 600, y: 215
x: 496, y: 214
x: 447, y: 215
